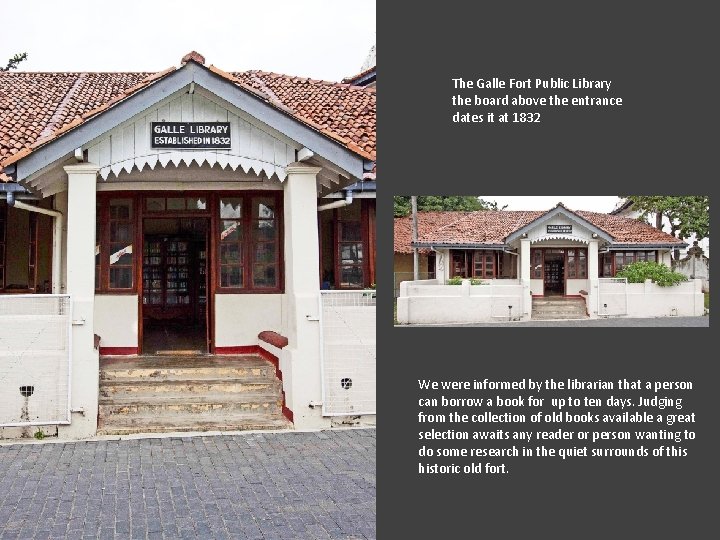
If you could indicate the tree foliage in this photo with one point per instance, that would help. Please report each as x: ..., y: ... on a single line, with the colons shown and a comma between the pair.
x: 14, y: 61
x: 638, y: 272
x: 687, y: 214
x: 437, y: 203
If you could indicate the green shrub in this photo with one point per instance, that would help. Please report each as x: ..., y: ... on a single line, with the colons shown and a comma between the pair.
x: 658, y: 273
x: 457, y: 280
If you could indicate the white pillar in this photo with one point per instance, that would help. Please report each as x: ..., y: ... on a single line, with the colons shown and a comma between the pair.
x: 301, y: 358
x: 593, y: 260
x: 525, y: 261
x: 593, y: 283
x: 80, y: 262
x: 524, y: 274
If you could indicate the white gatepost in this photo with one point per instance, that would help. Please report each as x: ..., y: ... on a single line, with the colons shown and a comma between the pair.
x: 525, y: 263
x: 593, y: 279
x: 80, y: 262
x: 300, y: 362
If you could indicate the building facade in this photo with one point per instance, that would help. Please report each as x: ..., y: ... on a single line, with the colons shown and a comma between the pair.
x: 189, y: 203
x: 558, y: 253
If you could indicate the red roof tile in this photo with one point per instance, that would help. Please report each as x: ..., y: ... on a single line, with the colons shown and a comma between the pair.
x: 427, y: 223
x: 37, y: 107
x: 492, y: 227
x: 344, y: 112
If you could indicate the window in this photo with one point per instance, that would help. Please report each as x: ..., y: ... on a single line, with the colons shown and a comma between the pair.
x: 458, y: 264
x: 3, y: 228
x: 32, y: 251
x: 536, y: 258
x: 576, y: 263
x: 351, y: 252
x: 120, y: 244
x: 115, y: 244
x: 612, y: 263
x: 175, y: 204
x: 484, y: 264
x: 248, y: 248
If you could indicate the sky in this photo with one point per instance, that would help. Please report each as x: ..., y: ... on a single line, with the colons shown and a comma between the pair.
x: 546, y: 202
x: 321, y: 39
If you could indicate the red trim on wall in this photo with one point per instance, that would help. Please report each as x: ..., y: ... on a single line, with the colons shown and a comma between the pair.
x: 106, y: 351
x: 267, y: 355
x: 239, y: 349
x: 287, y: 413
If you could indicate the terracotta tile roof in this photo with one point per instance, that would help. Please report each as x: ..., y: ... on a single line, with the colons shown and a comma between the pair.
x: 341, y: 111
x: 492, y: 227
x: 427, y: 223
x: 628, y: 230
x: 37, y: 107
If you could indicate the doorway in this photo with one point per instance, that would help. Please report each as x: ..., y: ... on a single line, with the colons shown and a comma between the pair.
x: 174, y: 309
x: 554, y: 272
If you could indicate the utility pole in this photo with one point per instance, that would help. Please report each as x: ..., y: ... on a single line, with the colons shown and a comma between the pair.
x: 416, y: 262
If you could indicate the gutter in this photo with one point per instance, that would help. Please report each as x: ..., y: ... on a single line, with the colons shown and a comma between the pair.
x: 57, y: 233
x: 435, y: 246
x: 616, y: 247
x: 347, y: 201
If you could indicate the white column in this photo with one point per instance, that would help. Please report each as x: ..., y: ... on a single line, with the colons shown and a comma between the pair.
x: 525, y: 276
x: 80, y: 262
x: 525, y: 261
x: 301, y: 358
x: 593, y: 268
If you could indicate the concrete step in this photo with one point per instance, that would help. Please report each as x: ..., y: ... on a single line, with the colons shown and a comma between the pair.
x: 179, y: 369
x: 152, y: 425
x: 147, y: 389
x: 122, y: 410
x: 555, y: 316
x: 196, y: 393
x: 558, y: 308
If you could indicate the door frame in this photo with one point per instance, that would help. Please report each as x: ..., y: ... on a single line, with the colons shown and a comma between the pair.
x: 207, y: 215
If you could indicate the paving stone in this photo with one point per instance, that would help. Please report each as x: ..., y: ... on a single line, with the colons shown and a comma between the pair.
x: 252, y: 486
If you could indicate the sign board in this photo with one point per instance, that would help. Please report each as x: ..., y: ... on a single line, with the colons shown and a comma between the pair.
x: 190, y: 135
x: 559, y: 229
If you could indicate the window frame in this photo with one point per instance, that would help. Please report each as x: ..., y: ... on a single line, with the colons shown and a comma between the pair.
x: 577, y: 255
x: 637, y: 255
x: 483, y: 257
x: 248, y: 244
x: 338, y: 242
x: 103, y: 226
x: 3, y: 244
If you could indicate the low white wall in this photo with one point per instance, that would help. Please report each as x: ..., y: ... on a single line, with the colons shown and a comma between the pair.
x: 116, y: 320
x: 537, y: 287
x: 239, y: 318
x: 574, y: 286
x: 427, y: 302
x: 650, y: 300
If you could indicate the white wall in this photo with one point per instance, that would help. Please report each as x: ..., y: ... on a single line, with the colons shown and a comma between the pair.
x: 650, y: 300
x: 427, y: 302
x: 116, y: 320
x: 239, y: 318
x: 574, y: 286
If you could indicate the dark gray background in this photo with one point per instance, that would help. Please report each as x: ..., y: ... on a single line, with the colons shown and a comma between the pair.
x: 662, y: 59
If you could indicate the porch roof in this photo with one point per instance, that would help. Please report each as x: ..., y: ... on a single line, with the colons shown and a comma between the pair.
x: 37, y: 110
x: 491, y: 229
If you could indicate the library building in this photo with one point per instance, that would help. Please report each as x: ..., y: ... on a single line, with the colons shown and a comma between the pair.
x: 507, y: 265
x: 163, y: 220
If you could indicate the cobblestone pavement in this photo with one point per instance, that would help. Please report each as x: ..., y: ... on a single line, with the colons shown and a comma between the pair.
x: 627, y: 323
x: 254, y: 486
